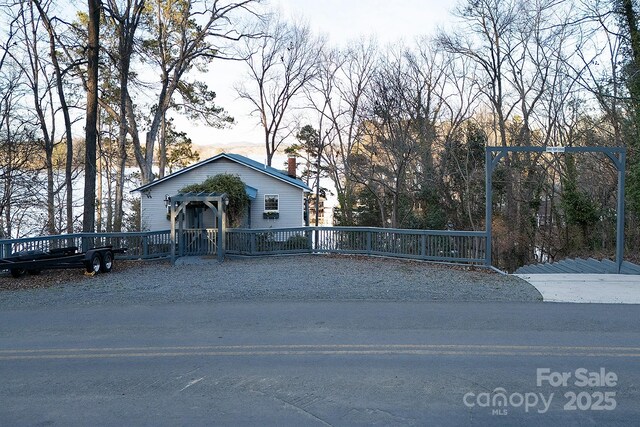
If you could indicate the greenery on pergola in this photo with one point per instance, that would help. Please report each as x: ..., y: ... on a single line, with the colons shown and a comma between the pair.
x: 228, y: 184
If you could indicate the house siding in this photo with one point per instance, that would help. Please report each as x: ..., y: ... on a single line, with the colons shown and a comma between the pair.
x: 291, y: 198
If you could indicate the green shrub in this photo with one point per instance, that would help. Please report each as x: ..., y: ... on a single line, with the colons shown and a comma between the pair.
x: 233, y: 186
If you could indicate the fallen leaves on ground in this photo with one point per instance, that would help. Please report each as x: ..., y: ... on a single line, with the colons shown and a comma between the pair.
x: 49, y: 278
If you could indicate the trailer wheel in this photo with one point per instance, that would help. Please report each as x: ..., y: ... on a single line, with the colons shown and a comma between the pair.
x: 93, y: 266
x: 107, y: 262
x: 17, y: 272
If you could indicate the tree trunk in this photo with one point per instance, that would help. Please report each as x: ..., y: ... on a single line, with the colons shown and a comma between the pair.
x: 267, y: 144
x: 8, y: 184
x: 122, y: 139
x: 51, y: 213
x: 162, y: 147
x: 68, y: 181
x: 319, y: 159
x: 65, y: 113
x: 99, y: 192
x: 91, y: 131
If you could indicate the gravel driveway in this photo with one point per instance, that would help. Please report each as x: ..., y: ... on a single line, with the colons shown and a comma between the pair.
x: 294, y: 278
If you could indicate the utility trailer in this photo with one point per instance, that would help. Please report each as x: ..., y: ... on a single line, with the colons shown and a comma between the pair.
x: 95, y: 260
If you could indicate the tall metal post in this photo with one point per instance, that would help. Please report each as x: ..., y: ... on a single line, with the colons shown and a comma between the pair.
x: 488, y: 168
x: 620, y: 213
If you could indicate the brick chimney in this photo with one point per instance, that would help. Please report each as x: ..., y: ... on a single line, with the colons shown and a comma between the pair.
x: 291, y: 166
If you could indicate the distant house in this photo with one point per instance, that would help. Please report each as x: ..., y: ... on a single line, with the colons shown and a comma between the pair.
x: 325, y: 212
x: 277, y: 198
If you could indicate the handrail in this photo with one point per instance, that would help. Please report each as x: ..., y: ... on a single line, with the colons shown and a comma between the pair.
x: 139, y: 244
x: 433, y: 245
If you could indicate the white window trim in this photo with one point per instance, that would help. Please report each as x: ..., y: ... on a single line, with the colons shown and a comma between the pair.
x: 265, y: 203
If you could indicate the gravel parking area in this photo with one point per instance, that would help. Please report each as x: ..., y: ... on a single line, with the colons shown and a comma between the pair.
x: 294, y: 278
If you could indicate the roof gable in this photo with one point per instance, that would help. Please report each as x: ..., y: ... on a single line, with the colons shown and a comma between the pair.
x: 245, y: 161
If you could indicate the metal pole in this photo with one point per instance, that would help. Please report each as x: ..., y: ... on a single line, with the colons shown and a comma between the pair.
x: 488, y: 160
x: 620, y: 214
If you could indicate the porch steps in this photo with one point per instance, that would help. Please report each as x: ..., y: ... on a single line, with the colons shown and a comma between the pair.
x: 579, y: 266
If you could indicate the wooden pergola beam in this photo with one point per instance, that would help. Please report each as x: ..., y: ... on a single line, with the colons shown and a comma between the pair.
x: 179, y: 203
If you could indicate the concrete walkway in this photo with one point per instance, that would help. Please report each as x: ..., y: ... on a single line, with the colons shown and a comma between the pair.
x: 586, y: 288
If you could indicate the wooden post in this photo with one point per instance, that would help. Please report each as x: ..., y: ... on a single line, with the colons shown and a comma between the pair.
x: 173, y: 232
x: 145, y: 246
x: 222, y: 227
x: 181, y: 229
x: 309, y: 234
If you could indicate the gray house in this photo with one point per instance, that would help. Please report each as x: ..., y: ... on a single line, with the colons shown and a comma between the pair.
x: 277, y: 199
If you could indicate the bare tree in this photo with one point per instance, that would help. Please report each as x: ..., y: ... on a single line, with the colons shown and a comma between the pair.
x: 338, y: 96
x: 43, y: 10
x: 403, y: 105
x: 182, y: 35
x: 280, y: 65
x: 124, y: 20
x: 487, y: 25
x: 91, y: 130
x: 38, y: 79
x: 461, y: 140
x: 20, y: 182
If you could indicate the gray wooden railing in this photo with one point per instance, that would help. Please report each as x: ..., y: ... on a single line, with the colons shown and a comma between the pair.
x: 432, y: 245
x: 145, y: 245
x: 198, y: 242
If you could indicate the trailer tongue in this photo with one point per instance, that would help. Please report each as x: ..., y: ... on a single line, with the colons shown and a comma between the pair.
x: 95, y: 260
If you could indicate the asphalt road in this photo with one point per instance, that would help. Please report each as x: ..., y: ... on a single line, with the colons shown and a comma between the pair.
x: 319, y: 363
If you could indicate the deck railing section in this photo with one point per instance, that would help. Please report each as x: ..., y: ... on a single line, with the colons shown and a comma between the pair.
x: 141, y: 245
x: 269, y: 241
x: 198, y: 242
x: 432, y: 245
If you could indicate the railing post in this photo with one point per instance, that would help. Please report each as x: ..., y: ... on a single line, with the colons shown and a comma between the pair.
x: 222, y: 232
x: 423, y: 245
x: 369, y: 242
x: 309, y: 234
x: 85, y: 242
x: 145, y: 245
x: 316, y: 236
x: 252, y: 242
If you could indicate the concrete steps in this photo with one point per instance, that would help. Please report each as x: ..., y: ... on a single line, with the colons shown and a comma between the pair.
x: 579, y: 266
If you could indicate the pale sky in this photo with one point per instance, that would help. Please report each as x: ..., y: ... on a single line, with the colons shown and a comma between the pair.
x: 339, y: 20
x: 388, y: 20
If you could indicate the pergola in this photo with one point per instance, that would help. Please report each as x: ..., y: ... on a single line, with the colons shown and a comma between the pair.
x: 178, y: 205
x: 616, y: 154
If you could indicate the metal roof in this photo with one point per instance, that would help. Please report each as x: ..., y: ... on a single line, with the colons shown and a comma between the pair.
x: 252, y: 193
x: 267, y: 170
x: 579, y: 265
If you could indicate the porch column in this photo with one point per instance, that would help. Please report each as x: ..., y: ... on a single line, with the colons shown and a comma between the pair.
x: 222, y: 227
